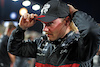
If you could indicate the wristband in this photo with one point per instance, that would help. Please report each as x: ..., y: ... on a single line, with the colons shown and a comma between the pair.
x: 74, y: 13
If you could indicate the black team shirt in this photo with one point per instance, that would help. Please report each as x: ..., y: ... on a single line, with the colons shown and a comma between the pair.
x: 4, y: 57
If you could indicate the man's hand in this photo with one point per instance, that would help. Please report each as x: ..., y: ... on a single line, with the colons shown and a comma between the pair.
x: 27, y: 20
x: 72, y: 9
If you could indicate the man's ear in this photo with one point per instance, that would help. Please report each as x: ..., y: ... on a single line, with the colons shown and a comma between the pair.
x: 67, y: 20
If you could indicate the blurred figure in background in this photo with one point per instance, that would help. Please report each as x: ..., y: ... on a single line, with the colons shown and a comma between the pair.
x: 99, y: 56
x: 6, y: 59
x: 96, y: 59
x: 21, y: 62
x: 32, y: 60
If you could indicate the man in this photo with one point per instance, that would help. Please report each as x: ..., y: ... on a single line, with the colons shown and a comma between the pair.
x: 6, y: 59
x: 21, y: 62
x: 96, y: 59
x: 71, y: 39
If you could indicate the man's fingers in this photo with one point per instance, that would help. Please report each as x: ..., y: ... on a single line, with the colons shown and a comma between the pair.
x: 21, y: 20
x: 25, y: 15
x: 32, y: 16
x: 68, y: 4
x: 28, y: 19
x: 33, y: 21
x: 72, y: 9
x: 35, y: 15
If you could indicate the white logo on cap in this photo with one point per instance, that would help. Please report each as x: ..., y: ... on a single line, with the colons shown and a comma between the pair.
x: 45, y: 8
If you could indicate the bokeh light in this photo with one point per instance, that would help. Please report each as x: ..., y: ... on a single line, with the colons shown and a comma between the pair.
x: 13, y: 15
x: 26, y: 3
x: 14, y: 0
x: 23, y: 11
x: 36, y: 7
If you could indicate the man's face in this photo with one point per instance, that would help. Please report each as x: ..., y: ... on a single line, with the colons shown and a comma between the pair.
x: 54, y: 30
x: 11, y: 30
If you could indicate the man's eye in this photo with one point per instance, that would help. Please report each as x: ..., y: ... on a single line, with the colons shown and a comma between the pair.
x: 48, y: 24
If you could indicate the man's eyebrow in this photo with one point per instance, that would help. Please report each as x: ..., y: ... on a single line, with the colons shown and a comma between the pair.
x: 50, y: 22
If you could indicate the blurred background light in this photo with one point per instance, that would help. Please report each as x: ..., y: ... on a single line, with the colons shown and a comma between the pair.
x: 15, y: 23
x: 6, y: 23
x: 13, y: 15
x: 26, y: 3
x: 22, y: 11
x: 36, y: 7
x: 14, y: 0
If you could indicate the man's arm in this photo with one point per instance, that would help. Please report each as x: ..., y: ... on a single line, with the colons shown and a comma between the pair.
x: 89, y: 33
x: 12, y: 58
x: 84, y: 22
x: 17, y: 45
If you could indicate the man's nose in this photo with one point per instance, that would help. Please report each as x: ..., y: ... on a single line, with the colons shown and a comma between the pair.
x: 45, y: 29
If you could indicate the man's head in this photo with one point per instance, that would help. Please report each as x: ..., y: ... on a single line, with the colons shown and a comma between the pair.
x: 56, y: 29
x: 55, y: 18
x: 9, y: 29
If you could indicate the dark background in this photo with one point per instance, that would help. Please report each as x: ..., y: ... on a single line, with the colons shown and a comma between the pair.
x: 91, y: 7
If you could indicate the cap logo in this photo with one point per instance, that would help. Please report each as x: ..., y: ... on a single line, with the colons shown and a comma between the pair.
x: 45, y: 8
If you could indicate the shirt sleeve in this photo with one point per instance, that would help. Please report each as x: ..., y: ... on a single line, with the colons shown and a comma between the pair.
x: 89, y: 35
x: 86, y: 25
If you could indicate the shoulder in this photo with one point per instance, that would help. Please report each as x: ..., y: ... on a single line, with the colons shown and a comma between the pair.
x: 40, y: 39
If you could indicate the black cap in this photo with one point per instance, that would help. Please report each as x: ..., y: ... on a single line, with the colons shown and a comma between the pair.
x: 52, y: 10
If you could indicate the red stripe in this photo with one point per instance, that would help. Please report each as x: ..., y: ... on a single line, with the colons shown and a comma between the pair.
x: 40, y: 16
x: 48, y: 65
x: 37, y: 18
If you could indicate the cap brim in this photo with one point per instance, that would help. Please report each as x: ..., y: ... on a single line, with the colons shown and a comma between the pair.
x: 44, y: 18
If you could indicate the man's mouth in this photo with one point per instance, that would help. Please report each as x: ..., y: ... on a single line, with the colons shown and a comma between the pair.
x: 48, y: 34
